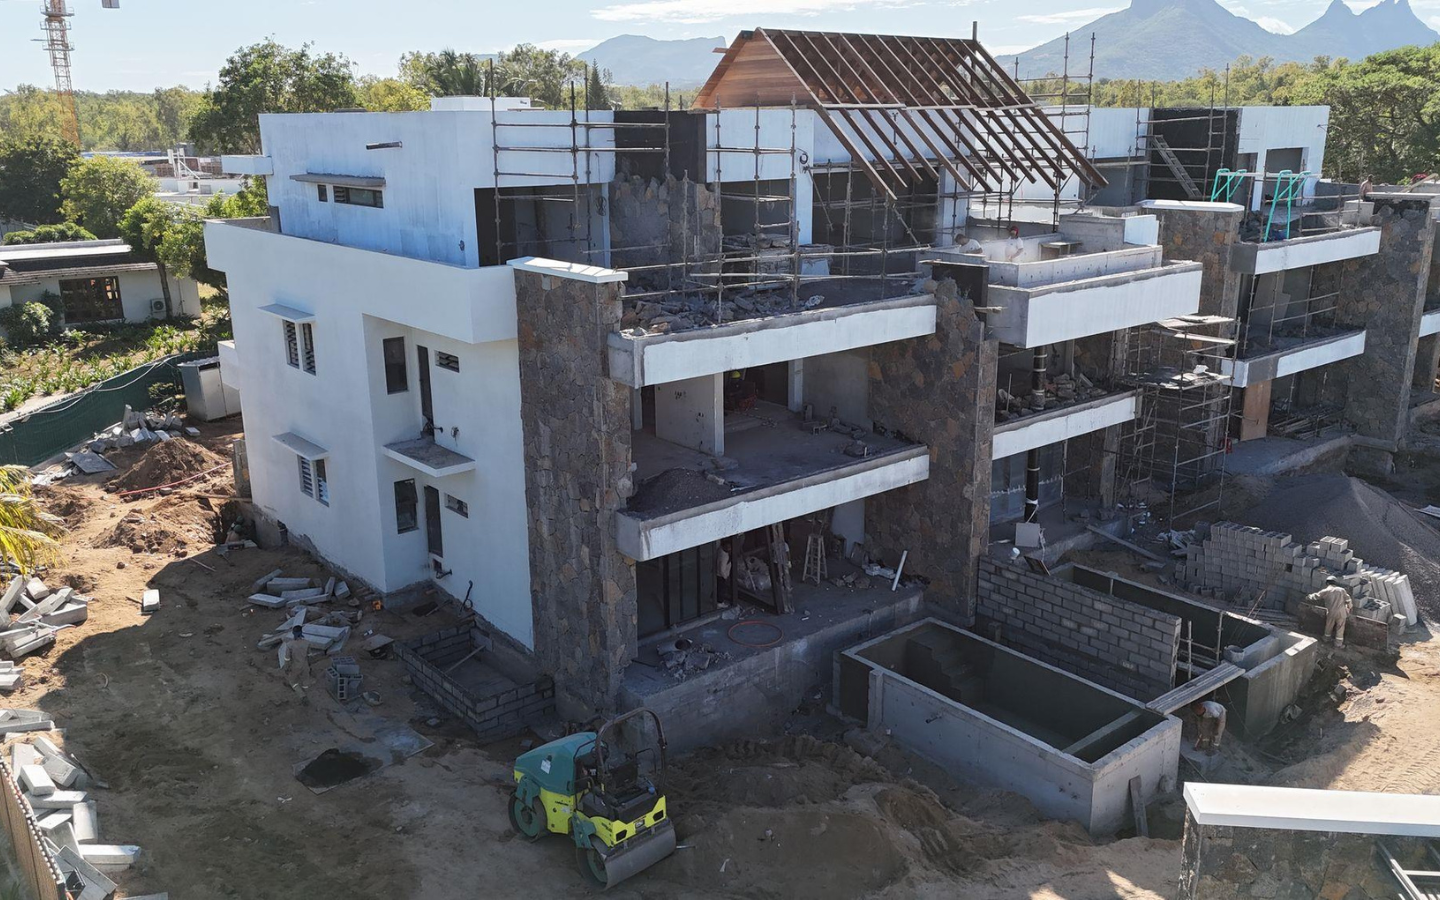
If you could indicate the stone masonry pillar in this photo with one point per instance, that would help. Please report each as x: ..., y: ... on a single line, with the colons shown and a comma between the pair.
x: 575, y: 421
x: 1204, y: 233
x: 939, y: 390
x: 1385, y: 294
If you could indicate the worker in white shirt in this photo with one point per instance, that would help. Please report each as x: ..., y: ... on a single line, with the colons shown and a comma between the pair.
x: 1014, y: 247
x: 964, y: 243
x: 1338, y: 603
x: 295, y: 660
x: 1211, y: 716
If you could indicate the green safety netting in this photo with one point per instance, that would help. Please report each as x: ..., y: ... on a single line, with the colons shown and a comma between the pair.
x: 58, y: 426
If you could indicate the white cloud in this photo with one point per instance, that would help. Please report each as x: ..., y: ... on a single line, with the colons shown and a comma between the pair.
x: 1274, y: 25
x: 1074, y: 15
x: 1361, y: 5
x: 1434, y: 22
x: 694, y: 12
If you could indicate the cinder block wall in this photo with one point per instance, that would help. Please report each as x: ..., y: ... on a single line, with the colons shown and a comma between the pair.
x: 575, y: 421
x: 1112, y: 642
x: 939, y: 390
x: 491, y: 717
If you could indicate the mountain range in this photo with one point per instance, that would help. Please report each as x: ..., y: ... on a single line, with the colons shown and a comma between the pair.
x: 1170, y: 39
x: 636, y: 59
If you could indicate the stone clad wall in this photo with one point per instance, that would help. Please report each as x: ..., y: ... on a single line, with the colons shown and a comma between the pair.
x: 1205, y: 235
x: 654, y: 222
x: 576, y: 425
x: 1227, y: 863
x: 939, y: 390
x: 1385, y: 295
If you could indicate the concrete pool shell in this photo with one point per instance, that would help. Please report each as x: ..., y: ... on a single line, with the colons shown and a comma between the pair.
x: 992, y: 715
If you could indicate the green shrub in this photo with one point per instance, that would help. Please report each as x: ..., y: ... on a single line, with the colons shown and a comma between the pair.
x: 26, y: 324
x: 45, y: 234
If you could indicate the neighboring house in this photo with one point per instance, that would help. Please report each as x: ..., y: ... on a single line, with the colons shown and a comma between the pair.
x: 98, y: 282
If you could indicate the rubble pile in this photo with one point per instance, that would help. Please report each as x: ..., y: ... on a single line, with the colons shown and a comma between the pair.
x: 32, y: 614
x: 56, y: 787
x: 681, y: 312
x: 323, y: 631
x: 133, y: 428
x: 1063, y: 389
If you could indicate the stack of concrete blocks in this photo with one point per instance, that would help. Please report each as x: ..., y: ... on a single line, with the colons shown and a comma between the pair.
x: 31, y: 613
x: 54, y: 785
x: 1236, y: 562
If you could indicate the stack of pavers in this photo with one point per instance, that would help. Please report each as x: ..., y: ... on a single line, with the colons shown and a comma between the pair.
x: 1235, y: 563
x: 31, y: 613
x: 55, y: 785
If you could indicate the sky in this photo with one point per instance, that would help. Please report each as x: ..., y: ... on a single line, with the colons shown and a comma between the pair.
x: 158, y: 43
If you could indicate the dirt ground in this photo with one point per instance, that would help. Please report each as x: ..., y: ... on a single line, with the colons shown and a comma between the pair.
x: 198, y: 738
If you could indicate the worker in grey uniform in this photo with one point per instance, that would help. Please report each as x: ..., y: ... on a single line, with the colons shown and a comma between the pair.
x: 1338, y: 603
x: 1211, y: 721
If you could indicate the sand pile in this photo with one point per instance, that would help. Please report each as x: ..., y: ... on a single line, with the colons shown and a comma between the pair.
x: 165, y: 463
x: 1381, y: 530
x: 174, y: 526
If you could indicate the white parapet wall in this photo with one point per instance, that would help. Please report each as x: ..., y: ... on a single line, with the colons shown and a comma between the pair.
x: 1053, y: 314
x: 656, y: 536
x: 641, y: 360
x: 1299, y: 252
x: 1054, y: 426
x: 1301, y: 358
x: 1299, y: 809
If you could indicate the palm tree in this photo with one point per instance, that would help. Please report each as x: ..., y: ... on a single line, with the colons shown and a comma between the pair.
x: 27, y: 533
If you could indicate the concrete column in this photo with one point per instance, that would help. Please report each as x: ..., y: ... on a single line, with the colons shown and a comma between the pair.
x: 637, y: 411
x: 1427, y: 361
x: 797, y: 385
x: 848, y: 521
x: 691, y: 413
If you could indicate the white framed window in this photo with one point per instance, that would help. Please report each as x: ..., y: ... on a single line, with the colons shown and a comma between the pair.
x: 447, y: 361
x: 457, y: 506
x: 292, y: 344
x: 322, y: 482
x: 307, y: 346
x: 307, y: 477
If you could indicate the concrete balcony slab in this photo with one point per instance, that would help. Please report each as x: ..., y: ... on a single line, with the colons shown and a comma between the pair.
x: 1430, y: 323
x: 769, y: 474
x: 1299, y: 252
x: 1063, y: 423
x: 1300, y: 357
x: 1054, y: 313
x: 425, y: 456
x: 646, y: 359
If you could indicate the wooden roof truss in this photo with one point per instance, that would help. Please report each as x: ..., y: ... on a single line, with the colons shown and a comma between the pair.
x: 910, y: 107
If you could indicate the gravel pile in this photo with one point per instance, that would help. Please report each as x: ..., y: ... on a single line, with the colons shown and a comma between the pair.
x: 1381, y: 530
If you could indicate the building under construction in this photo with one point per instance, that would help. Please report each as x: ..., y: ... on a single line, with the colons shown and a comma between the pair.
x: 815, y: 346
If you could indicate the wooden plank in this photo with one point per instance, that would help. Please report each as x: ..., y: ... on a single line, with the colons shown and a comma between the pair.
x: 1137, y: 803
x: 1255, y: 411
x: 1194, y: 689
x: 1126, y: 544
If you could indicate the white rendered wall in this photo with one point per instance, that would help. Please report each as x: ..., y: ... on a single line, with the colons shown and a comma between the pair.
x: 1266, y: 128
x: 357, y: 299
x: 691, y: 413
x: 429, y: 182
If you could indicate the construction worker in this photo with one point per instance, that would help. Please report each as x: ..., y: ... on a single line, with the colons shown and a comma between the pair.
x: 1014, y: 247
x: 1338, y: 603
x: 964, y: 243
x: 1211, y: 719
x: 295, y: 660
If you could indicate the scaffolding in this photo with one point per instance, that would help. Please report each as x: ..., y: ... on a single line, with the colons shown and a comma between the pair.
x: 1067, y: 99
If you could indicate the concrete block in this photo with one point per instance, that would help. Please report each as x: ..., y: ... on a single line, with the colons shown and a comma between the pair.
x: 342, y: 591
x: 123, y: 855
x: 61, y: 771
x: 263, y: 581
x: 85, y: 821
x: 303, y: 594
x: 288, y: 584
x: 40, y: 641
x: 94, y: 879
x: 69, y: 614
x: 53, y: 820
x: 269, y: 600
x: 57, y: 800
x: 150, y: 602
x: 52, y: 602
x: 35, y: 780
x: 22, y: 755
x: 10, y: 679
x: 330, y: 587
x: 12, y: 594
x: 37, y: 590
x: 13, y: 720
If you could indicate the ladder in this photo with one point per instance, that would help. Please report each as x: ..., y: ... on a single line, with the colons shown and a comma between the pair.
x: 1162, y: 146
x: 815, y: 558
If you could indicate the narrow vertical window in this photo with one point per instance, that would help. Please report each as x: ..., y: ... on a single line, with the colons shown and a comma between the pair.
x: 406, y: 504
x: 292, y: 345
x: 307, y: 477
x: 322, y: 483
x: 397, y: 379
x: 307, y: 335
x: 320, y: 192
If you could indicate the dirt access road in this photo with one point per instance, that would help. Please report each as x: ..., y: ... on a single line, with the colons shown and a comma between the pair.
x: 198, y: 738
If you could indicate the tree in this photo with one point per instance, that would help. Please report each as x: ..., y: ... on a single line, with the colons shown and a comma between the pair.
x: 145, y: 227
x: 31, y: 170
x: 266, y: 78
x: 597, y: 94
x: 48, y: 234
x: 30, y: 112
x: 100, y: 189
x: 27, y: 533
x: 544, y: 76
x: 1384, y: 114
x: 453, y: 74
x: 390, y: 95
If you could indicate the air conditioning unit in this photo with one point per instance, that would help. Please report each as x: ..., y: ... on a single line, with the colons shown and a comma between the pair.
x: 157, y: 306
